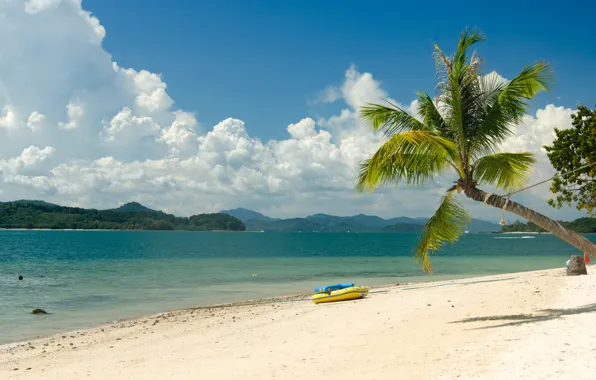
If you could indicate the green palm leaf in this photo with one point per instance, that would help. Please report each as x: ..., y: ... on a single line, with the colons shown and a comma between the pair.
x: 460, y: 92
x: 507, y: 171
x: 431, y: 115
x: 445, y: 226
x: 390, y: 119
x: 435, y: 121
x: 529, y: 82
x: 413, y: 156
x: 468, y: 38
x: 525, y: 86
x: 506, y: 103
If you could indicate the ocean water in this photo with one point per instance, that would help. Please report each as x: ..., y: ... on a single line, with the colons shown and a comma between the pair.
x: 85, y: 278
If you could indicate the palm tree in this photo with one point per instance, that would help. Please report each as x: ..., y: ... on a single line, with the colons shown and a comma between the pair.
x: 459, y: 132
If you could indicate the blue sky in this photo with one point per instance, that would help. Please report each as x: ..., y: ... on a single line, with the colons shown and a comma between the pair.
x: 263, y: 61
x: 245, y: 129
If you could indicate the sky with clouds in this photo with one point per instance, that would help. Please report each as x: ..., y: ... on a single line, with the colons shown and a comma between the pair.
x: 76, y: 128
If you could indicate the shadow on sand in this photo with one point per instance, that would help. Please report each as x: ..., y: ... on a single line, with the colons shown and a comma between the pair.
x: 522, y: 319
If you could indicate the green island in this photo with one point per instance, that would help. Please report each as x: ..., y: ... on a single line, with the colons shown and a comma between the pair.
x: 30, y: 214
x: 580, y: 225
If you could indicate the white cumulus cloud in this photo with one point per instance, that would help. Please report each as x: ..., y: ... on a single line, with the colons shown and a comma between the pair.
x: 75, y: 114
x: 35, y: 120
x: 8, y: 119
x: 35, y: 6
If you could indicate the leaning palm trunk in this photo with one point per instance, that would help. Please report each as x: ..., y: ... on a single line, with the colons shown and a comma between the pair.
x: 552, y: 226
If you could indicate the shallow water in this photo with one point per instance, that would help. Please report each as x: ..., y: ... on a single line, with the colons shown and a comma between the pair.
x: 86, y: 278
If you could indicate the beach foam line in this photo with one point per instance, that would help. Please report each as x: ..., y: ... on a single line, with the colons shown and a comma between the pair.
x: 10, y: 345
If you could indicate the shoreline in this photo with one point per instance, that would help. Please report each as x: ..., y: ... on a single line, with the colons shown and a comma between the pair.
x: 485, y: 327
x: 305, y: 297
x: 252, y: 302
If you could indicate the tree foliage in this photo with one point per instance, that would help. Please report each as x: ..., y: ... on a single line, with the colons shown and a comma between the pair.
x: 445, y: 226
x: 571, y: 150
x: 581, y: 225
x: 132, y: 216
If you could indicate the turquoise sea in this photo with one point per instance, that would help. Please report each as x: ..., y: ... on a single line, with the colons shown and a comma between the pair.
x: 86, y: 278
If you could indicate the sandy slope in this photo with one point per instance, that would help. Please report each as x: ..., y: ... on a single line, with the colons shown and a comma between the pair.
x: 419, y: 333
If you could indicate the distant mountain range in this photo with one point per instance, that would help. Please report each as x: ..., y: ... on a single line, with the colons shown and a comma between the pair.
x: 244, y: 214
x: 255, y: 221
x: 32, y: 214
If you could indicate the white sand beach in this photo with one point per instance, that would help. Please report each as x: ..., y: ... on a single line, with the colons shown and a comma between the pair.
x: 536, y: 325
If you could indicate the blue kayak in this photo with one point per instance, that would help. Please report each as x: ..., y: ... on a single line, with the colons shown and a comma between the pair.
x: 330, y: 288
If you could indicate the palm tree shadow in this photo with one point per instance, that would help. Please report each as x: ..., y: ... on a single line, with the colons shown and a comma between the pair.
x: 522, y: 319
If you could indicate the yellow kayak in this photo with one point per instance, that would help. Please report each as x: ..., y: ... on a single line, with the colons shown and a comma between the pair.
x: 345, y: 294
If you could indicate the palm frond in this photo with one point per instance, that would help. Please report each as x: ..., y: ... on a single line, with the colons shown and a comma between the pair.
x: 445, y: 226
x: 431, y: 115
x: 433, y: 118
x: 458, y: 61
x: 507, y: 171
x: 443, y: 66
x: 525, y: 86
x: 491, y: 86
x: 468, y: 38
x: 490, y: 131
x: 413, y: 156
x: 460, y: 93
x: 390, y: 119
x: 476, y: 61
x: 505, y: 104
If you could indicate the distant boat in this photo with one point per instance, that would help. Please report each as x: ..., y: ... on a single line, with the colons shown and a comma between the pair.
x: 466, y: 231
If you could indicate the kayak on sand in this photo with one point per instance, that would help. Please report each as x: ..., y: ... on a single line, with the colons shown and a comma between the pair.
x: 343, y: 294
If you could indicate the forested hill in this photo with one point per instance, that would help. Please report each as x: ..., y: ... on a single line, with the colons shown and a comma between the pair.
x: 581, y: 225
x: 131, y: 216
